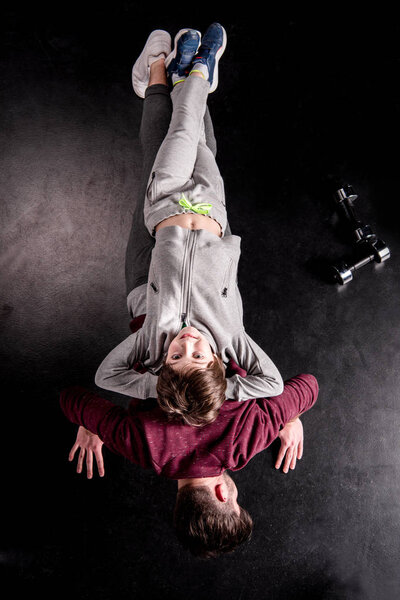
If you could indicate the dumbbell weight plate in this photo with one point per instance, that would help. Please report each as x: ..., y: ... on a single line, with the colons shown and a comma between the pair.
x: 381, y: 251
x: 342, y: 274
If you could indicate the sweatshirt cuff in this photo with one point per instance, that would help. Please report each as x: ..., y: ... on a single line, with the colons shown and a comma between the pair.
x: 151, y: 384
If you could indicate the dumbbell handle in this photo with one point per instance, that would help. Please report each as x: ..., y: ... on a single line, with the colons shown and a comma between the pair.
x: 344, y: 198
x: 362, y: 262
x: 343, y: 273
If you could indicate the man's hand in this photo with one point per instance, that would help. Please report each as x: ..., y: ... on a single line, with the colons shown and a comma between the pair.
x: 291, y: 437
x: 88, y: 443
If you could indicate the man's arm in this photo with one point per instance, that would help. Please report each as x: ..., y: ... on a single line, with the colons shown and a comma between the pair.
x: 299, y: 395
x: 111, y: 423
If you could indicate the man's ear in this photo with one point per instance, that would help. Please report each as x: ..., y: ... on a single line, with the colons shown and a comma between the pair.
x: 221, y: 492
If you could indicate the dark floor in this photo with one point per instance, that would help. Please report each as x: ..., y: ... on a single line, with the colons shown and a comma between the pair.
x: 306, y: 103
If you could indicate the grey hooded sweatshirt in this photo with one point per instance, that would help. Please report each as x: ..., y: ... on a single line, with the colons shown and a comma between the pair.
x: 192, y: 281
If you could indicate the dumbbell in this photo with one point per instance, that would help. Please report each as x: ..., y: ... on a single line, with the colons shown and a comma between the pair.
x: 368, y: 246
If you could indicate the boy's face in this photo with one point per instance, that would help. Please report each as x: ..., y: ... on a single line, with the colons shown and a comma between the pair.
x: 189, y: 349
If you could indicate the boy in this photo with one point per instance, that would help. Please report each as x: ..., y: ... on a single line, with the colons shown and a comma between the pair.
x: 186, y: 280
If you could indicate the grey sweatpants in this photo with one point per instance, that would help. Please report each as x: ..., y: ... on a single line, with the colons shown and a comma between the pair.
x: 184, y: 162
x: 155, y: 122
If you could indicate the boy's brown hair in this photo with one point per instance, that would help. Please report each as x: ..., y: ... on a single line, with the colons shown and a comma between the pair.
x: 193, y: 396
x: 207, y: 528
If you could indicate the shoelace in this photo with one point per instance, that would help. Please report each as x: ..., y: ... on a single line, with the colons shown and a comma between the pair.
x: 201, y: 208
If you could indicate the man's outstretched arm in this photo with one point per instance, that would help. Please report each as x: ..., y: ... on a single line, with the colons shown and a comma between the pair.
x: 282, y: 418
x: 100, y: 421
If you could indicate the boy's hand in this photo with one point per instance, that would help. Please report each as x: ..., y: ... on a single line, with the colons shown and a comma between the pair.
x: 88, y: 443
x: 292, y: 438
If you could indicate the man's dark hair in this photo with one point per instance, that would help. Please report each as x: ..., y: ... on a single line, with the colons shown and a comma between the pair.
x: 193, y: 396
x: 206, y: 527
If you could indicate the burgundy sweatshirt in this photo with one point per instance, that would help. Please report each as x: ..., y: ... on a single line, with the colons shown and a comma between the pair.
x: 143, y: 435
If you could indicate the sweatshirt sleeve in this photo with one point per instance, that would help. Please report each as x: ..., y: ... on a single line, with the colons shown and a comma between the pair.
x: 299, y: 394
x: 263, y: 378
x: 265, y: 417
x: 110, y: 422
x: 116, y: 372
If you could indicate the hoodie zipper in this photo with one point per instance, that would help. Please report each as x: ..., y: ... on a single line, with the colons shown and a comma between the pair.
x: 225, y: 284
x: 187, y: 272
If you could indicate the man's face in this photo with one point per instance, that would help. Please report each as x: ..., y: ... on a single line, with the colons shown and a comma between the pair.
x: 189, y: 349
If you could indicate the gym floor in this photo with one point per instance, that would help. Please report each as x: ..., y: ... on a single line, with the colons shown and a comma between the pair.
x: 305, y: 105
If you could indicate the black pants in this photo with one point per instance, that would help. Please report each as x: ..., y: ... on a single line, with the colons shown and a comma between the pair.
x: 156, y: 116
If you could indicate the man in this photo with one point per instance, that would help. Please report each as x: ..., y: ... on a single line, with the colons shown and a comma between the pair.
x: 207, y: 518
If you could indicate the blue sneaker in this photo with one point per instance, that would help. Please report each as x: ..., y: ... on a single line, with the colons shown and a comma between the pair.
x: 212, y: 48
x: 178, y: 62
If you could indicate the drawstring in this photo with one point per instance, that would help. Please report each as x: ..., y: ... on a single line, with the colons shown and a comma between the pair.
x: 201, y: 208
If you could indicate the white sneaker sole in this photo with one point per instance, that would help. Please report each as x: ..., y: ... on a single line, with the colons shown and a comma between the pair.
x: 218, y: 55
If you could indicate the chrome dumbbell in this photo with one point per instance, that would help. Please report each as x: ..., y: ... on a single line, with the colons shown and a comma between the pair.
x: 368, y: 247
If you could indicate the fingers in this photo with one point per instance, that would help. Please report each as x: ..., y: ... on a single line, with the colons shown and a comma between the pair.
x: 288, y: 450
x: 293, y: 461
x: 72, y: 451
x: 89, y: 460
x: 89, y: 464
x: 291, y: 454
x: 80, y: 460
x: 300, y: 450
x: 281, y: 455
x: 288, y: 460
x: 100, y: 462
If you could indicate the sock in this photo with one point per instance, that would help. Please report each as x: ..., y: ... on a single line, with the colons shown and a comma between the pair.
x: 175, y: 78
x: 201, y: 68
x: 153, y: 59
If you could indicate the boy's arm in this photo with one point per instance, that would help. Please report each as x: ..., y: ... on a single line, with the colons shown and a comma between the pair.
x: 117, y: 373
x: 262, y: 379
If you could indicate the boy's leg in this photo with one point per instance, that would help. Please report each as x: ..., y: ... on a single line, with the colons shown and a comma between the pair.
x: 177, y: 154
x: 208, y: 181
x: 156, y: 116
x: 212, y: 144
x: 209, y: 132
x: 174, y: 166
